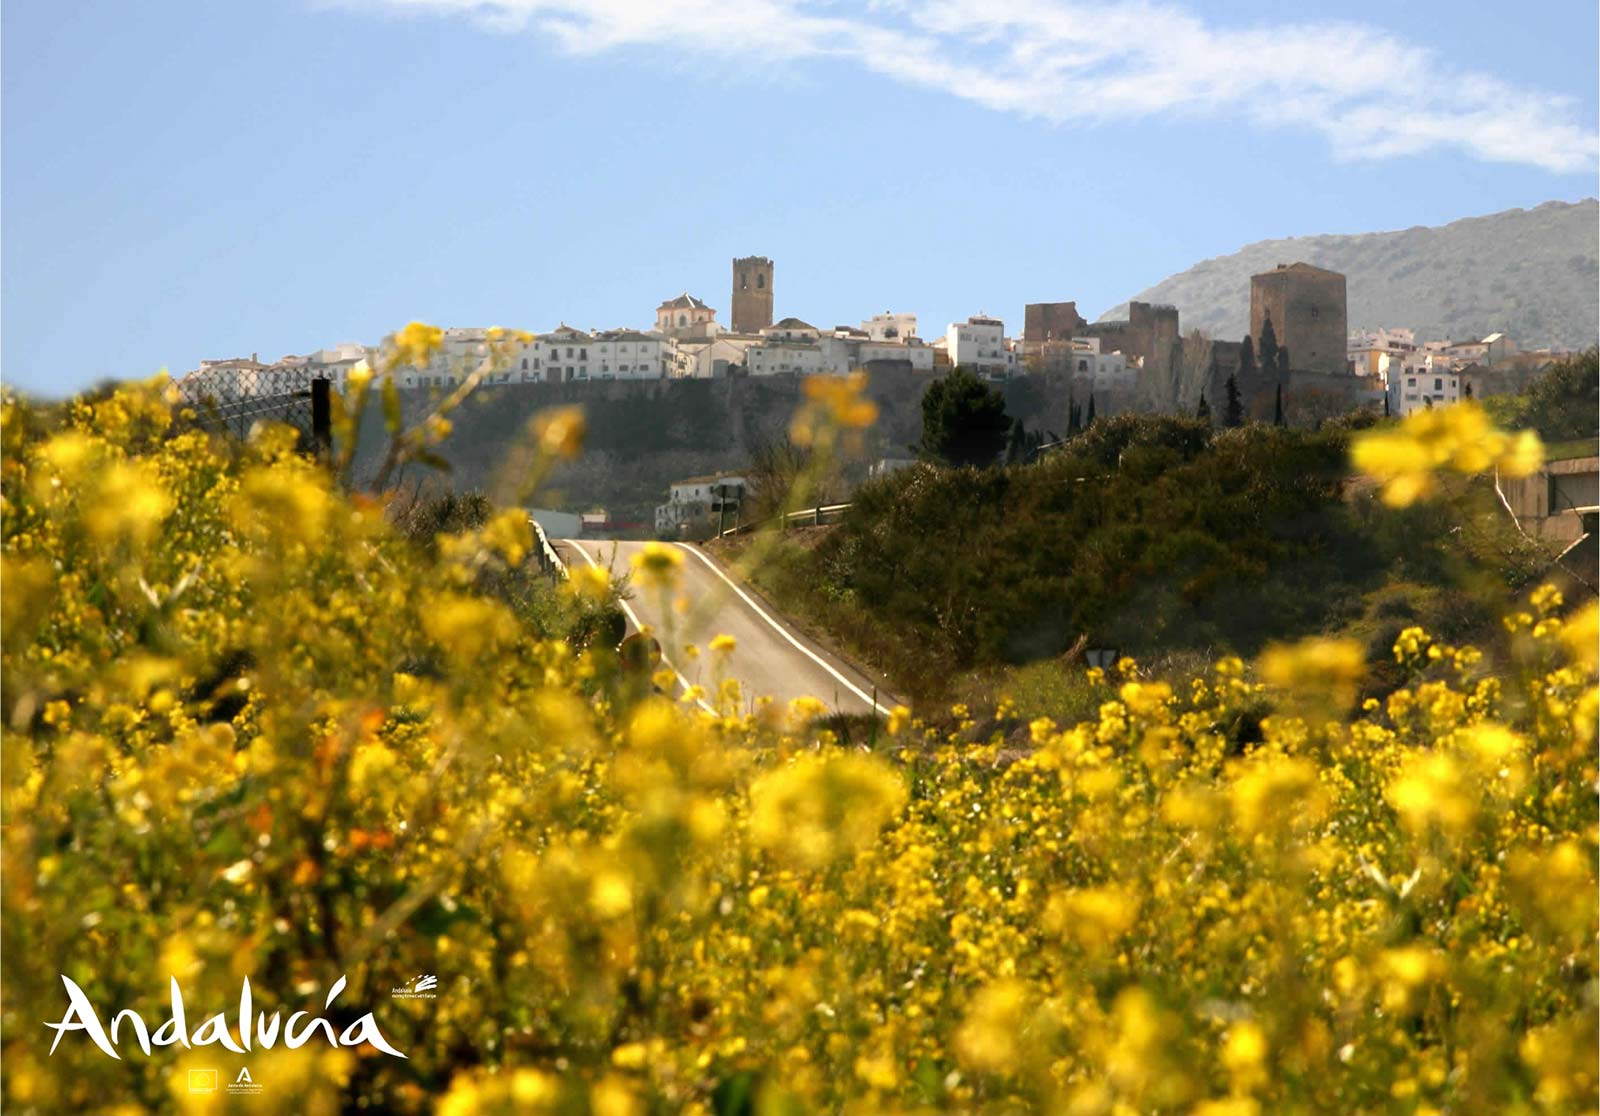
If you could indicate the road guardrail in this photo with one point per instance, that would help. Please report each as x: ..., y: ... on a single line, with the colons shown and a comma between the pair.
x: 805, y: 517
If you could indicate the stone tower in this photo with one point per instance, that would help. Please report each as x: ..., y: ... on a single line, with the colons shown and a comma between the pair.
x: 1307, y: 305
x: 752, y: 294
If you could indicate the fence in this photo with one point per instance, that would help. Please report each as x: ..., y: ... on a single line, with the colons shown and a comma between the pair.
x: 805, y: 517
x: 550, y: 562
x: 234, y: 400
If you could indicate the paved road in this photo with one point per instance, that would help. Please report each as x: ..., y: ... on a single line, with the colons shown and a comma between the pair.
x: 770, y: 656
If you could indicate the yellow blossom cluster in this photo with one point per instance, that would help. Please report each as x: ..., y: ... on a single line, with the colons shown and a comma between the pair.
x: 1408, y: 457
x: 251, y: 732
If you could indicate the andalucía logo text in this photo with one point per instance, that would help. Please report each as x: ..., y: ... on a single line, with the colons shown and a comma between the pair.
x: 81, y: 1016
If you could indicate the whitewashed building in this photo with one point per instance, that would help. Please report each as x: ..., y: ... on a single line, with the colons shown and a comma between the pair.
x: 698, y: 498
x: 629, y: 354
x: 912, y: 351
x: 788, y: 358
x: 889, y: 326
x: 335, y: 364
x: 1425, y: 384
x: 979, y: 343
x: 1102, y: 371
x: 708, y: 358
x: 225, y: 379
x: 1370, y: 351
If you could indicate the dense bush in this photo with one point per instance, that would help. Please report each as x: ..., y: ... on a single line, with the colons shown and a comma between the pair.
x: 1144, y: 533
x: 1563, y: 404
x: 253, y: 732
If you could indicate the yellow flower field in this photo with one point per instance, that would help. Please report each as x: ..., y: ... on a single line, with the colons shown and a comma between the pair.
x: 250, y: 732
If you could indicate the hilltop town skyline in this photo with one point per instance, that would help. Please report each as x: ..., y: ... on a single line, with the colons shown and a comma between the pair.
x: 597, y: 162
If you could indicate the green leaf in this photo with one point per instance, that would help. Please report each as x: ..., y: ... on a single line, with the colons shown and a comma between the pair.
x: 736, y: 1095
x: 928, y: 1080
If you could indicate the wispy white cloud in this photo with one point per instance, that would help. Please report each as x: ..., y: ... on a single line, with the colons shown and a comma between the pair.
x: 1368, y: 93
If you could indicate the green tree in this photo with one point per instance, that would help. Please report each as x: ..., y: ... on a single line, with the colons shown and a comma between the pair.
x: 1277, y: 408
x: 1089, y: 418
x: 1267, y: 347
x: 1561, y: 404
x: 1233, y: 415
x: 1204, y: 410
x: 1017, y: 444
x: 1283, y: 361
x: 1247, y: 356
x: 964, y: 421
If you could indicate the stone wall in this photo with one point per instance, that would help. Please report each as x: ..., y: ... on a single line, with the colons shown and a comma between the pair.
x: 752, y: 294
x: 1050, y: 321
x: 1308, y: 311
x: 1151, y: 333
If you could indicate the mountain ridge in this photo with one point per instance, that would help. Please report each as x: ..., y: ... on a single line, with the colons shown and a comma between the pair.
x: 1532, y: 273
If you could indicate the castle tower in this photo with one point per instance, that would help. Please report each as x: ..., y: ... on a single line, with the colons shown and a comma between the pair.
x: 1307, y: 305
x: 752, y: 294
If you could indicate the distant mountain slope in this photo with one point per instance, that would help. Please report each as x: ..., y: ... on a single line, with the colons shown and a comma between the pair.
x: 1529, y: 272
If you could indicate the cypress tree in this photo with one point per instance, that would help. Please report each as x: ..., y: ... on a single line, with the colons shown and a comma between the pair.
x: 1247, y: 356
x: 1283, y: 362
x: 1204, y: 410
x: 1267, y: 349
x: 1088, y: 420
x: 1017, y: 444
x: 1277, y: 408
x: 1233, y: 414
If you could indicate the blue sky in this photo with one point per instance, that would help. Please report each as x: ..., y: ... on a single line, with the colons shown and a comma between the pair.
x: 191, y: 180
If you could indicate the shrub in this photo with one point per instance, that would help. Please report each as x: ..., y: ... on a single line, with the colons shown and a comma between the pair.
x: 251, y: 731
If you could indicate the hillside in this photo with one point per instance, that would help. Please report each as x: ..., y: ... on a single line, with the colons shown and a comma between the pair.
x: 1529, y: 272
x: 642, y: 435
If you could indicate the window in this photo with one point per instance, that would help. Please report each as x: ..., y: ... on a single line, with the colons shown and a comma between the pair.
x: 1438, y: 383
x: 524, y: 364
x: 761, y: 282
x: 683, y: 319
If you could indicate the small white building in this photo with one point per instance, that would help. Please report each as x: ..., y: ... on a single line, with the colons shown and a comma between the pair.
x: 628, y: 354
x: 1369, y: 351
x: 1102, y: 371
x: 225, y: 380
x: 889, y: 326
x: 790, y: 329
x: 788, y: 358
x: 698, y: 498
x: 1488, y: 351
x: 335, y: 364
x: 563, y: 355
x: 980, y: 344
x: 913, y: 351
x: 1423, y: 385
x: 708, y: 358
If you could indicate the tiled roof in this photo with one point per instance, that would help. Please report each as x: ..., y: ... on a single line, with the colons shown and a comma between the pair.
x: 685, y: 301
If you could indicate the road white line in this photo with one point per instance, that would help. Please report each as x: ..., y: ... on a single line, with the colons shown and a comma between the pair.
x: 628, y: 611
x: 781, y: 630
